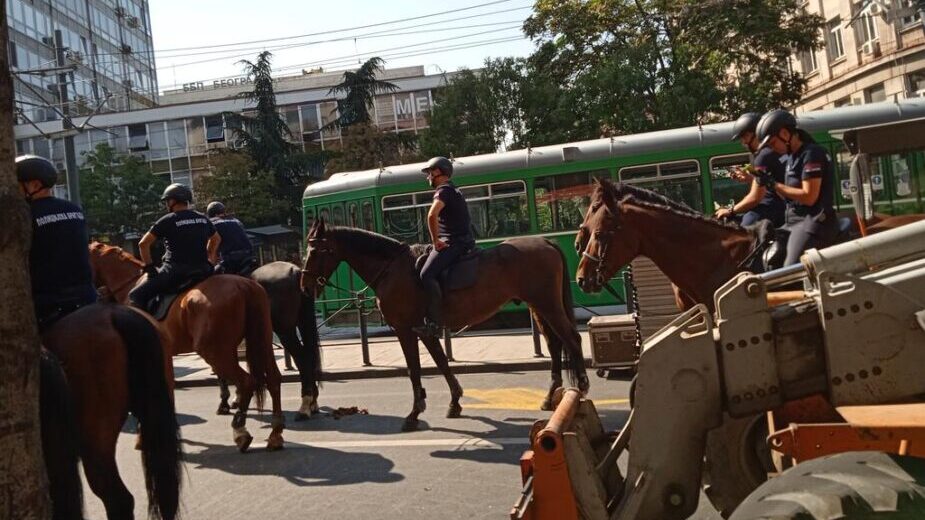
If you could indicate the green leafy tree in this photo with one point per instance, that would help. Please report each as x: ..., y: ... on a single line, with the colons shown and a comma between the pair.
x: 359, y: 88
x: 366, y: 147
x: 637, y: 65
x: 120, y: 193
x: 248, y: 193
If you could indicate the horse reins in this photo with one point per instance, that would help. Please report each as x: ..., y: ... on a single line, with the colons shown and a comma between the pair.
x: 324, y: 282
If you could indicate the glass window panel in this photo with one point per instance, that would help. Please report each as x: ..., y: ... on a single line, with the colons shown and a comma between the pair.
x: 40, y: 147
x: 184, y: 178
x: 291, y: 117
x: 137, y: 137
x: 157, y: 135
x: 179, y: 163
x: 405, y: 224
x: 385, y: 112
x: 119, y: 138
x: 160, y: 166
x: 338, y: 215
x: 562, y: 200
x: 328, y: 111
x: 195, y: 132
x: 725, y: 189
x: 474, y: 192
x: 679, y: 168
x: 395, y: 201
x: 508, y: 216
x: 215, y: 129
x: 176, y: 137
x: 507, y: 188
x: 309, y: 218
x: 686, y: 191
x: 309, y: 115
x: 369, y: 222
x: 638, y: 172
x: 325, y: 214
x: 478, y: 214
x: 404, y: 111
x: 353, y: 215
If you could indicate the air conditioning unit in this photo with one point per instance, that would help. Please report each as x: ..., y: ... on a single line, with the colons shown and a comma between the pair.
x: 875, y: 9
x: 871, y: 48
x: 126, y: 48
x: 132, y: 21
x: 74, y: 56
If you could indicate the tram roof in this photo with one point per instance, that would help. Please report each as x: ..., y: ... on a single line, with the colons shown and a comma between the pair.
x: 833, y: 120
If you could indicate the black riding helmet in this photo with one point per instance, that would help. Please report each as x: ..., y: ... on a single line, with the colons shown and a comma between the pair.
x: 442, y: 163
x: 747, y: 122
x: 215, y: 208
x: 177, y: 192
x: 772, y: 123
x: 35, y: 168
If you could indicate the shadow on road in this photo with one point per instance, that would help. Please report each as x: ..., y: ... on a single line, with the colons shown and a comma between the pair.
x: 325, y: 422
x: 299, y: 464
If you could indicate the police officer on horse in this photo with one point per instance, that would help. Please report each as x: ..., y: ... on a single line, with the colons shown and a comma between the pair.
x: 190, y: 240
x: 235, y: 251
x: 760, y: 203
x: 59, y: 261
x: 450, y: 230
x: 808, y: 186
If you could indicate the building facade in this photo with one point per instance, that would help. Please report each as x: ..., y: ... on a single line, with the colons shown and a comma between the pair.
x: 874, y: 51
x: 107, y: 42
x: 176, y: 137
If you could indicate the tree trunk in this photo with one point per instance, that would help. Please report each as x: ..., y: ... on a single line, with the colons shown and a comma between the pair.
x: 23, y: 483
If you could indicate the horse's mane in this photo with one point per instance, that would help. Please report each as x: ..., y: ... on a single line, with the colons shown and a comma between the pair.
x: 365, y: 242
x: 627, y: 193
x: 104, y: 250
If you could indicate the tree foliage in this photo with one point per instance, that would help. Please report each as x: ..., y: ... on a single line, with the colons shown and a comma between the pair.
x: 248, y: 193
x: 611, y: 67
x: 366, y: 147
x: 359, y: 88
x: 120, y: 193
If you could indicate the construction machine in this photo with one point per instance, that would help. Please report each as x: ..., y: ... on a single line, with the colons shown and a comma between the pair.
x: 856, y: 338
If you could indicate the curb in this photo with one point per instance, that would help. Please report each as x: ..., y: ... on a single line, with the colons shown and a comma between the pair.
x: 384, y: 372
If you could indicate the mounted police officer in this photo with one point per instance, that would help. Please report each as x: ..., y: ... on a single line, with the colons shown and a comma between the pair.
x: 59, y: 262
x: 235, y: 250
x: 808, y: 186
x: 760, y: 203
x: 451, y: 233
x: 190, y: 240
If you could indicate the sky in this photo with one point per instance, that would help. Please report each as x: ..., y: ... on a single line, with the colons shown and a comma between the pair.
x: 187, y: 31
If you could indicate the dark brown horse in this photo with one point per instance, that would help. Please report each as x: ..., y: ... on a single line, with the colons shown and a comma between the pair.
x: 293, y: 310
x: 211, y: 319
x: 114, y: 363
x: 532, y: 270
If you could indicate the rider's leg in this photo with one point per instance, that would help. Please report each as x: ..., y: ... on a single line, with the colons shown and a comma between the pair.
x: 163, y: 281
x: 436, y: 263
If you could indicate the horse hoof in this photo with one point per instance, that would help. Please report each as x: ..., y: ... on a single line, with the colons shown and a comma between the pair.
x: 454, y: 411
x: 235, y: 404
x: 409, y: 425
x: 223, y: 409
x: 243, y: 442
x: 547, y: 406
x: 299, y: 417
x: 275, y: 443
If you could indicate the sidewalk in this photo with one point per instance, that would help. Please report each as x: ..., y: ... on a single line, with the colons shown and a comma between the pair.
x: 505, y: 351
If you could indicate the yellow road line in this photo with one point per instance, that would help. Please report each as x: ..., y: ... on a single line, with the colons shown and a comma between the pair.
x: 516, y: 399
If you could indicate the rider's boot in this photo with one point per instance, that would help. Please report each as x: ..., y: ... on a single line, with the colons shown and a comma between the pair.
x: 434, y: 316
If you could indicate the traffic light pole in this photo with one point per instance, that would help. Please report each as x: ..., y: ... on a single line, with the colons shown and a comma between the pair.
x: 70, y: 155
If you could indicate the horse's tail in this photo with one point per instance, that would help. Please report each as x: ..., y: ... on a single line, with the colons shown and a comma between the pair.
x: 258, y: 338
x: 59, y: 440
x: 568, y: 303
x: 308, y: 329
x: 150, y: 401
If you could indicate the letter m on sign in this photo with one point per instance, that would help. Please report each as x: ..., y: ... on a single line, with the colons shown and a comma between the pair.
x: 403, y: 108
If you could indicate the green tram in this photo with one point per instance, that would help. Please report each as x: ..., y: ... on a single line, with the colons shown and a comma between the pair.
x: 544, y: 191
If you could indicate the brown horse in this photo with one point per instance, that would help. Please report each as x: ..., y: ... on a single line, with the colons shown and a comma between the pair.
x: 114, y: 363
x: 530, y: 269
x: 211, y: 319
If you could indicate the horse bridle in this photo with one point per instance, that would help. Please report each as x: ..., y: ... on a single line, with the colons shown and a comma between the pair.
x: 603, y: 237
x: 324, y: 282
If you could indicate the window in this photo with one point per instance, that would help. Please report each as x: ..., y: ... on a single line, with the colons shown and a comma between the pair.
x: 835, y: 46
x: 137, y: 138
x: 725, y: 189
x: 498, y: 210
x: 215, y: 129
x: 915, y: 18
x: 562, y: 200
x: 808, y: 62
x: 843, y: 102
x: 679, y: 181
x: 309, y: 218
x: 865, y: 28
x: 875, y: 94
x: 353, y: 215
x: 338, y: 215
x: 369, y: 223
x: 310, y: 124
x: 916, y: 83
x: 158, y: 140
x: 404, y: 217
x: 385, y: 112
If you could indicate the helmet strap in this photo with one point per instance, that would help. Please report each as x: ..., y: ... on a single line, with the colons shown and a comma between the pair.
x: 31, y: 194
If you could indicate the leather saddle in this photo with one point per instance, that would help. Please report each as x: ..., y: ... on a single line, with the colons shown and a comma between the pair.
x: 159, y: 306
x: 462, y: 274
x: 776, y: 252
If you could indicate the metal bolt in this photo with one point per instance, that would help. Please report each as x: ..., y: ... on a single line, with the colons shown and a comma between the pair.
x: 836, y: 380
x: 749, y: 396
x: 772, y: 389
x: 855, y: 308
x: 675, y: 499
x: 863, y: 374
x: 877, y: 371
x: 868, y: 305
x: 849, y: 377
x: 736, y: 399
x: 753, y: 289
x: 767, y: 336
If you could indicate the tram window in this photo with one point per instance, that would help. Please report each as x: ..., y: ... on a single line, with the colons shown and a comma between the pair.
x: 353, y: 215
x: 498, y: 210
x: 397, y: 201
x: 678, y: 168
x: 561, y: 200
x: 725, y: 189
x: 679, y: 181
x: 368, y: 221
x: 309, y: 218
x: 474, y: 192
x: 648, y: 171
x: 406, y: 224
x: 325, y: 215
x: 338, y: 215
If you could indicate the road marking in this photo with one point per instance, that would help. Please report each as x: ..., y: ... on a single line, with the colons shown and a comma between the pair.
x: 457, y: 442
x: 516, y: 399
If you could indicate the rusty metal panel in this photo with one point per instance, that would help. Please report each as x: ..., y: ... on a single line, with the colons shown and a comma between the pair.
x: 809, y: 441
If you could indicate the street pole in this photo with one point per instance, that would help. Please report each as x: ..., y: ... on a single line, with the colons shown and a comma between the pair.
x: 70, y: 155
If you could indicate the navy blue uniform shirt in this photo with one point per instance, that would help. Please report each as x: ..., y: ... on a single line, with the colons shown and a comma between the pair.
x: 453, y: 222
x: 60, y: 256
x: 768, y: 161
x: 234, y: 237
x: 811, y: 161
x: 185, y: 234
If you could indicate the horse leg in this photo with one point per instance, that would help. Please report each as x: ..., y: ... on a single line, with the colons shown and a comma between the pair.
x: 558, y: 321
x: 274, y: 380
x: 245, y: 385
x: 439, y: 357
x: 99, y: 462
x: 223, y: 393
x: 294, y: 347
x: 409, y: 347
x: 555, y: 355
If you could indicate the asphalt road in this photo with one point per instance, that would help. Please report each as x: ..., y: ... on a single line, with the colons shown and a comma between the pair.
x: 362, y: 466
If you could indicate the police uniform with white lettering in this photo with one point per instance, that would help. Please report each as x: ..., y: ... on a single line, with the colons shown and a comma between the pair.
x: 185, y: 234
x: 59, y: 261
x: 235, y: 250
